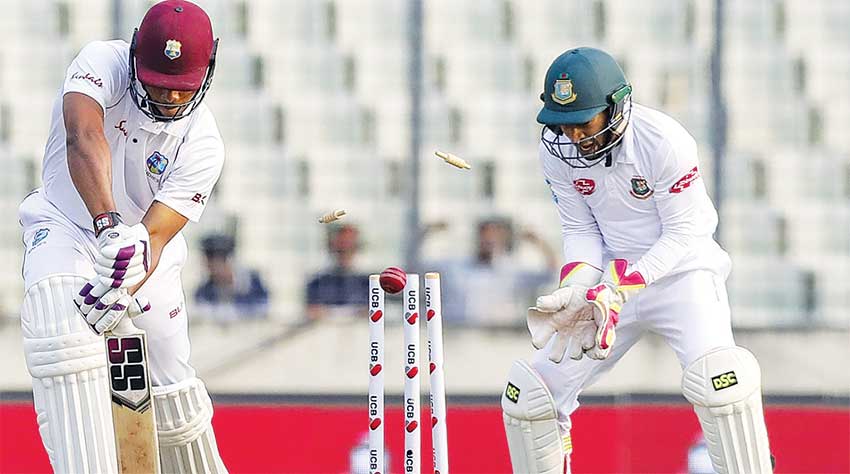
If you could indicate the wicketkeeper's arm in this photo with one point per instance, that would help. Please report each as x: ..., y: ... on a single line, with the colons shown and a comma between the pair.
x: 684, y: 208
x: 582, y: 238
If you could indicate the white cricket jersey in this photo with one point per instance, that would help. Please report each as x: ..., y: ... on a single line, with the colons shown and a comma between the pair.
x: 175, y: 163
x: 650, y: 207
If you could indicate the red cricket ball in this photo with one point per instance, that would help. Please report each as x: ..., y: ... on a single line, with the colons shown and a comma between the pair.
x: 393, y: 280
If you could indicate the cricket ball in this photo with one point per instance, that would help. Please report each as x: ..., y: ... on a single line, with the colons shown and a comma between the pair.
x: 393, y: 280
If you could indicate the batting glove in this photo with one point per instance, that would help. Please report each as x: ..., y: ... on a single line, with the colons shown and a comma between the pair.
x: 124, y: 256
x: 104, y: 307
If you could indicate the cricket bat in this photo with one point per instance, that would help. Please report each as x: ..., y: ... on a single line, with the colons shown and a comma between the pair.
x: 130, y: 391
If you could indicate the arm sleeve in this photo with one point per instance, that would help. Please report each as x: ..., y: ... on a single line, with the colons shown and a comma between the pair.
x: 199, y: 163
x: 582, y: 239
x: 684, y: 208
x: 99, y: 71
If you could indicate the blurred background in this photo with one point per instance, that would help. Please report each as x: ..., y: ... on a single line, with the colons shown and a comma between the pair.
x: 340, y: 104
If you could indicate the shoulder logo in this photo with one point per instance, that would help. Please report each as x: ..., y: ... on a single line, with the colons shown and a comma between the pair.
x: 563, y: 93
x: 88, y: 77
x: 39, y: 237
x: 585, y: 186
x: 172, y: 49
x: 685, y: 181
x: 156, y: 163
x: 640, y: 188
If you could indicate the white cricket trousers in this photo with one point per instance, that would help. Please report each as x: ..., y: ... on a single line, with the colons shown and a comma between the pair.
x: 67, y: 361
x: 689, y: 310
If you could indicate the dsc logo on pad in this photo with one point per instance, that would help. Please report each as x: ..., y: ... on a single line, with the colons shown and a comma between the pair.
x: 724, y: 380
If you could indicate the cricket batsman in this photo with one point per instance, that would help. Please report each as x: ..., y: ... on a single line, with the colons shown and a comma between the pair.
x: 133, y: 154
x: 638, y: 228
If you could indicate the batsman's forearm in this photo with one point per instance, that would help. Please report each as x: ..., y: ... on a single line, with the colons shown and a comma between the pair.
x: 162, y: 224
x: 90, y: 165
x: 157, y: 243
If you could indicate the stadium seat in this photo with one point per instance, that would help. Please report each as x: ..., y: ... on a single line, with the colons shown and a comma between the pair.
x: 833, y: 291
x: 767, y: 292
x: 313, y: 102
x: 753, y: 228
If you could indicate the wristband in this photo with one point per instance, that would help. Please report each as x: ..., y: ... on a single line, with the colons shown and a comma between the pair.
x: 105, y: 220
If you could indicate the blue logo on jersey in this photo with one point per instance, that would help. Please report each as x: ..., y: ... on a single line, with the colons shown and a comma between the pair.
x: 39, y: 237
x: 157, y: 163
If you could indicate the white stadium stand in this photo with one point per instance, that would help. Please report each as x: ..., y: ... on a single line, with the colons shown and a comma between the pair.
x: 312, y: 98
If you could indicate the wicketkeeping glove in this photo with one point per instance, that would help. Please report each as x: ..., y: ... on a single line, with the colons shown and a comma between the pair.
x: 565, y: 314
x: 619, y: 283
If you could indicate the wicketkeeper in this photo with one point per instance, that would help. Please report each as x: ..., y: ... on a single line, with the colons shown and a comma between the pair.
x: 638, y: 240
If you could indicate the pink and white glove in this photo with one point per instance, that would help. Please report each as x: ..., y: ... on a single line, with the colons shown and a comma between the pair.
x: 104, y: 307
x: 565, y: 314
x: 619, y: 283
x: 124, y: 256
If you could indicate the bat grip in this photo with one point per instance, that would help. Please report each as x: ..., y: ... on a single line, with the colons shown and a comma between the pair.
x: 125, y: 326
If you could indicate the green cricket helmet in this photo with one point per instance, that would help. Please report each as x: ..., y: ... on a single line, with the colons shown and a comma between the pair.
x: 581, y: 83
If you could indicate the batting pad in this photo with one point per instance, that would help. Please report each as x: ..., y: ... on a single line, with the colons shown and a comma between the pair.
x: 531, y: 423
x: 184, y: 428
x: 724, y: 386
x: 67, y: 362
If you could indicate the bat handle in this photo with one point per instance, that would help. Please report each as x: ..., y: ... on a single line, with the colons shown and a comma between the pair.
x: 125, y: 326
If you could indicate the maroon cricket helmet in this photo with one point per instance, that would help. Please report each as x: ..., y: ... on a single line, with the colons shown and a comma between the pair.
x: 172, y: 49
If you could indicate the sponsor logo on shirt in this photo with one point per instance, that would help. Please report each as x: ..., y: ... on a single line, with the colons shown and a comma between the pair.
x: 156, y: 164
x: 640, y: 189
x: 685, y: 181
x: 39, y: 238
x: 585, y: 186
x: 120, y: 127
x: 175, y: 312
x: 199, y: 198
x: 88, y: 77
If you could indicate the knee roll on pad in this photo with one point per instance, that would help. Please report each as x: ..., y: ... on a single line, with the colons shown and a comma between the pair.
x: 724, y: 386
x: 67, y: 362
x: 184, y: 428
x: 531, y: 423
